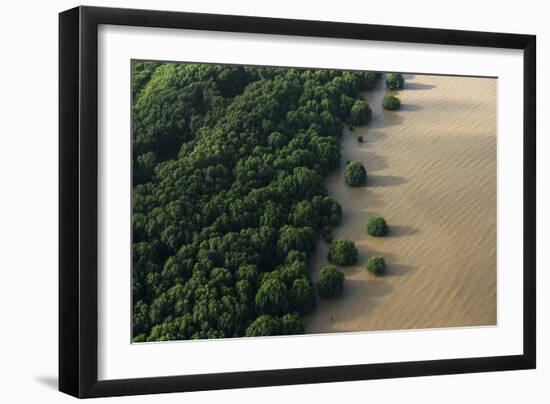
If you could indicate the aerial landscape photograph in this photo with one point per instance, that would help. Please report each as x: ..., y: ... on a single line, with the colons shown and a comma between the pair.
x: 273, y: 201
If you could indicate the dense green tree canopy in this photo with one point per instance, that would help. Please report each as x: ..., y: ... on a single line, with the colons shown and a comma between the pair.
x: 355, y: 174
x: 377, y: 226
x: 394, y: 81
x: 376, y: 265
x: 342, y: 252
x: 229, y: 196
x: 326, y: 233
x: 391, y: 102
x: 360, y: 113
x: 263, y: 326
x: 331, y: 282
x: 272, y: 296
x: 302, y: 295
x: 291, y: 324
x: 370, y: 80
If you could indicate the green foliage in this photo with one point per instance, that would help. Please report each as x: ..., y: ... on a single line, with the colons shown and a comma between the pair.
x: 272, y: 296
x: 263, y: 326
x: 228, y: 194
x: 302, y: 295
x: 355, y: 174
x: 370, y: 80
x: 360, y: 113
x: 302, y: 214
x: 342, y: 252
x: 330, y: 210
x: 377, y: 226
x: 376, y: 265
x: 277, y: 140
x: 291, y: 324
x: 391, y: 102
x: 326, y: 233
x: 266, y: 325
x: 295, y: 238
x: 141, y: 74
x: 331, y: 282
x: 394, y: 81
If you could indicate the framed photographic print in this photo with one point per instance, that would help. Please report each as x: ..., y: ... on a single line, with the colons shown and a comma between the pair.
x: 250, y: 201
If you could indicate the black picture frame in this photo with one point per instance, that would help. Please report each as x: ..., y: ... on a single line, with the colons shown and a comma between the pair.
x: 78, y: 201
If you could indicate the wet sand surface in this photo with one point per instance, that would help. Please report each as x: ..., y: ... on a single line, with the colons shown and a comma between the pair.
x: 432, y: 174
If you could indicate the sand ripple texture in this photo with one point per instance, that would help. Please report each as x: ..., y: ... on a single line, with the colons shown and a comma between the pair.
x: 432, y: 175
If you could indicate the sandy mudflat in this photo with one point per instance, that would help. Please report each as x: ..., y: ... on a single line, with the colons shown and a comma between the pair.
x: 432, y: 175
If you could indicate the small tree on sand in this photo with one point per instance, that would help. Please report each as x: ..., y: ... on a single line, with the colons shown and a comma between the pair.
x: 376, y: 265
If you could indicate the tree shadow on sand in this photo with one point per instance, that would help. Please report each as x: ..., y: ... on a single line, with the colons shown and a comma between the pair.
x: 398, y: 269
x: 418, y: 86
x: 364, y: 294
x: 387, y: 119
x: 409, y: 107
x: 372, y: 136
x: 373, y: 289
x: 358, y: 298
x: 401, y: 230
x: 374, y: 181
x: 375, y: 162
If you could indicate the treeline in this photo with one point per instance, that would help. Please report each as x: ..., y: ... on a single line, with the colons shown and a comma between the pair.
x: 228, y: 195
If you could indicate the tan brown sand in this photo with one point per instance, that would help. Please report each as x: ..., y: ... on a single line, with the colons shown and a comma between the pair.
x: 432, y: 175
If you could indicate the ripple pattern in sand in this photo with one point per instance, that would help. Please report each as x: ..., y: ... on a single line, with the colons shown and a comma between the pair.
x: 432, y: 175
